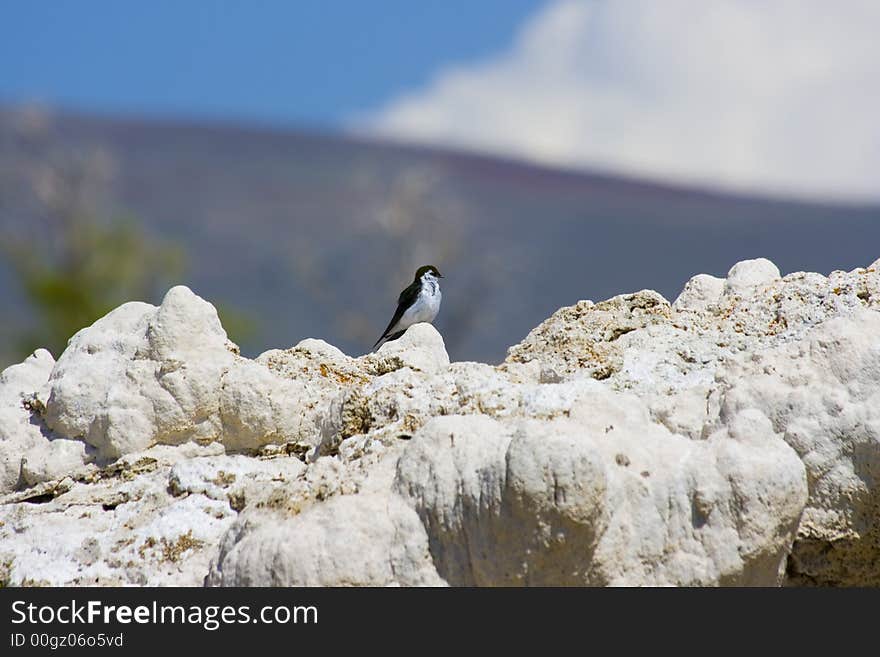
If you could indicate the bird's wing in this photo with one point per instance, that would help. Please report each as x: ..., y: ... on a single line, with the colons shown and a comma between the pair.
x: 404, y: 301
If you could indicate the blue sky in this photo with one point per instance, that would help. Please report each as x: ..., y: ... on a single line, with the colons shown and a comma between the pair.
x: 295, y: 62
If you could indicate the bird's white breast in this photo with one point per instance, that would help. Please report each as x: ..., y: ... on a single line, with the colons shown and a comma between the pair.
x: 425, y: 308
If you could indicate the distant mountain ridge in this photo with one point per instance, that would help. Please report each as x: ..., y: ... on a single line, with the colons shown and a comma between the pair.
x: 313, y: 234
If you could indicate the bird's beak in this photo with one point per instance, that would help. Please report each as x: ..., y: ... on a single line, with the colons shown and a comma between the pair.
x: 440, y: 275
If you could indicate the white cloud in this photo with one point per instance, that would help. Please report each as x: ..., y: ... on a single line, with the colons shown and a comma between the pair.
x: 778, y: 96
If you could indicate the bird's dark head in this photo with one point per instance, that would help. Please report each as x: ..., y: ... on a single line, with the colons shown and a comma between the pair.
x: 427, y: 269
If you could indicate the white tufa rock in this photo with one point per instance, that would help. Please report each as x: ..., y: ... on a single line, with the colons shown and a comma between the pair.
x: 699, y: 293
x: 728, y: 438
x: 350, y: 540
x: 420, y: 348
x: 258, y: 407
x: 29, y: 452
x: 142, y: 376
x: 749, y: 274
x: 607, y: 499
x: 822, y: 395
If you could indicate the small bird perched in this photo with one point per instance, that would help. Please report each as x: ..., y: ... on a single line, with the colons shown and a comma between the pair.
x: 420, y: 302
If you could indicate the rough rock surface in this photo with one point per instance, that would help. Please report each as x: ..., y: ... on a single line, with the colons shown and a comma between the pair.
x: 141, y: 376
x: 575, y: 504
x: 29, y: 452
x: 730, y: 437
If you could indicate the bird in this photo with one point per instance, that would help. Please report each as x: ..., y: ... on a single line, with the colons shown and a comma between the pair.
x: 419, y: 302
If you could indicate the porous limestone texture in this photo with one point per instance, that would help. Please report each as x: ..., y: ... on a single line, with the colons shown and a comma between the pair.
x: 731, y: 437
x: 141, y: 376
x: 29, y: 452
x: 152, y: 518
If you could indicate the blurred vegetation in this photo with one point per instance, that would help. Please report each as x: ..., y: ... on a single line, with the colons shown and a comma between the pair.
x: 239, y: 326
x: 94, y: 267
x: 79, y: 260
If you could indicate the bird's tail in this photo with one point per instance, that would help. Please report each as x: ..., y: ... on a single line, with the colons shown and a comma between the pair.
x: 388, y: 337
